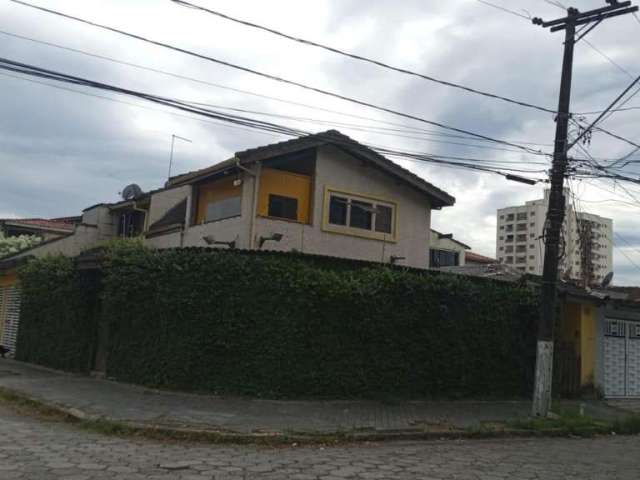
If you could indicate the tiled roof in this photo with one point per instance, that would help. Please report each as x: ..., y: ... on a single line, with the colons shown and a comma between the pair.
x: 477, y: 258
x: 439, y: 198
x: 41, y: 223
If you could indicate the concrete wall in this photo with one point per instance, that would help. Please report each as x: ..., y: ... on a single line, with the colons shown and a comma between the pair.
x: 230, y: 228
x: 83, y: 238
x: 164, y: 200
x: 340, y: 171
x: 169, y: 240
x: 102, y: 218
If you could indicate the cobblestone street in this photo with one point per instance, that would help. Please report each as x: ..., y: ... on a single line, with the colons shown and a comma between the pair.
x: 34, y: 449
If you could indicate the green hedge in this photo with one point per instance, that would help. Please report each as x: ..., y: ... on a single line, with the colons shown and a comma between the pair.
x: 281, y: 325
x: 285, y: 326
x: 57, y: 317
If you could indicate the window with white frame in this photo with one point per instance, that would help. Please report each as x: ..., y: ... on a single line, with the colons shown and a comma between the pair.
x: 361, y: 213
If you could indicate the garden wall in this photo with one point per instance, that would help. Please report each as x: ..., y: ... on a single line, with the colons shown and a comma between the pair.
x: 286, y: 325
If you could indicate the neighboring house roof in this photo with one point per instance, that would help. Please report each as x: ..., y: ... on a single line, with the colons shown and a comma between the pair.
x: 449, y: 236
x: 62, y: 225
x: 497, y: 271
x: 477, y: 258
x: 439, y: 198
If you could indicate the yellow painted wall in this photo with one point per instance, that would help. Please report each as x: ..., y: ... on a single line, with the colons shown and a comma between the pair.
x: 286, y: 184
x: 570, y: 327
x: 579, y: 328
x: 215, y: 191
x: 587, y: 345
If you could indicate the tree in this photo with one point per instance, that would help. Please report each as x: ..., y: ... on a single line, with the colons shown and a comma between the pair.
x: 11, y: 245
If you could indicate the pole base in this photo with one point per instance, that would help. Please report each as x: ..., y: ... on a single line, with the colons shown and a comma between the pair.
x: 543, y: 381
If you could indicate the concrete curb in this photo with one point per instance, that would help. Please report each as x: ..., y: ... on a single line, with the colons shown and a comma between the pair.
x: 111, y: 426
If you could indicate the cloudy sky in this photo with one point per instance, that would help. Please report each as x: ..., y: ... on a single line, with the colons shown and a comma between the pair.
x: 61, y: 151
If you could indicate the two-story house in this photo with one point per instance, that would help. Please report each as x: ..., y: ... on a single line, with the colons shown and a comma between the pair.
x: 324, y: 194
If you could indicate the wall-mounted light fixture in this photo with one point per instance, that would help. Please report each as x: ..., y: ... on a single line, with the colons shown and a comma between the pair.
x: 210, y: 240
x: 274, y: 237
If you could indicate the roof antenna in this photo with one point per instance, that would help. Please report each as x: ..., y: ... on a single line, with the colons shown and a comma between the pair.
x: 173, y: 140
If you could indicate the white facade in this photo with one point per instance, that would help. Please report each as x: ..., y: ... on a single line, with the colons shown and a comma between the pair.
x: 386, y: 209
x: 519, y: 241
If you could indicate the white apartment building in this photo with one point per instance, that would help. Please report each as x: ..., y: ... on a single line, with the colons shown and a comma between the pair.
x: 519, y: 241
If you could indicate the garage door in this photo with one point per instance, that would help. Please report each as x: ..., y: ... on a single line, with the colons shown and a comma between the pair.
x: 9, y: 316
x: 622, y: 358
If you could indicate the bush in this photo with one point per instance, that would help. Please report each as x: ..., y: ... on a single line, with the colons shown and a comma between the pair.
x: 282, y: 325
x: 285, y: 326
x: 57, y: 317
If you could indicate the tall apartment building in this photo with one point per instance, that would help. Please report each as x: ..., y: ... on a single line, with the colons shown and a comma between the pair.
x: 587, y: 241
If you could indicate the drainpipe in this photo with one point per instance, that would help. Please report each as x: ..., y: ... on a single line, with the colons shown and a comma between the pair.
x: 254, y: 205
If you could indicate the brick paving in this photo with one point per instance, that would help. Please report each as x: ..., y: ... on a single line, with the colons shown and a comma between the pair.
x: 128, y: 403
x: 34, y: 449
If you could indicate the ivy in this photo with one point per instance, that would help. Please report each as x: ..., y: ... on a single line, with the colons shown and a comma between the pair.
x: 57, y: 317
x: 296, y: 326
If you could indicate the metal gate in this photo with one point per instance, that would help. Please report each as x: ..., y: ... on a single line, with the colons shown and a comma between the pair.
x: 621, y: 358
x: 9, y: 317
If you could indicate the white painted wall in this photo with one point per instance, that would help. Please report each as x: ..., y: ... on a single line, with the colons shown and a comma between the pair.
x: 164, y: 200
x: 438, y: 243
x: 339, y: 170
x: 83, y: 238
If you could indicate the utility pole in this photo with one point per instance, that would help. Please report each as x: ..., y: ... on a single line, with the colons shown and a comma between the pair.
x: 557, y: 205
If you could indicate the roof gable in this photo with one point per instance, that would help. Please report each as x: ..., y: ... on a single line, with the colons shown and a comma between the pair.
x: 439, y: 198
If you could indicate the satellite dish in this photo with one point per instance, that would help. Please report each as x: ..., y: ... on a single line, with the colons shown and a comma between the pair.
x: 607, y: 280
x: 131, y: 191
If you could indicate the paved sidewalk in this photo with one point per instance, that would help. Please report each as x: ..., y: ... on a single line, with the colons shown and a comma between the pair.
x: 95, y: 398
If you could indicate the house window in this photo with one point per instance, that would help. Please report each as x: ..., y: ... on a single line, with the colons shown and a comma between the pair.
x: 359, y: 215
x: 522, y: 237
x: 510, y: 228
x: 521, y: 227
x: 338, y: 210
x: 521, y: 248
x: 509, y: 249
x: 284, y: 195
x: 217, y: 200
x: 508, y: 260
x: 510, y: 217
x: 521, y: 216
x: 521, y: 259
x: 444, y: 258
x: 509, y: 238
x: 221, y: 209
x: 384, y: 215
x: 283, y: 207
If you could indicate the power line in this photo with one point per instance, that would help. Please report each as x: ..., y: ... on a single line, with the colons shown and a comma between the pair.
x: 360, y: 57
x: 504, y: 9
x: 241, y: 120
x: 595, y: 122
x: 559, y: 5
x: 401, y: 127
x: 280, y: 79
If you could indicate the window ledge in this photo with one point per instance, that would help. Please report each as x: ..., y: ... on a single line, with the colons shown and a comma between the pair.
x: 361, y: 233
x: 280, y: 219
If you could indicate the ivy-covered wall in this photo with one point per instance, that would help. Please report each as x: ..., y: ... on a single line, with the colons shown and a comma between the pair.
x: 293, y: 326
x: 57, y: 316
